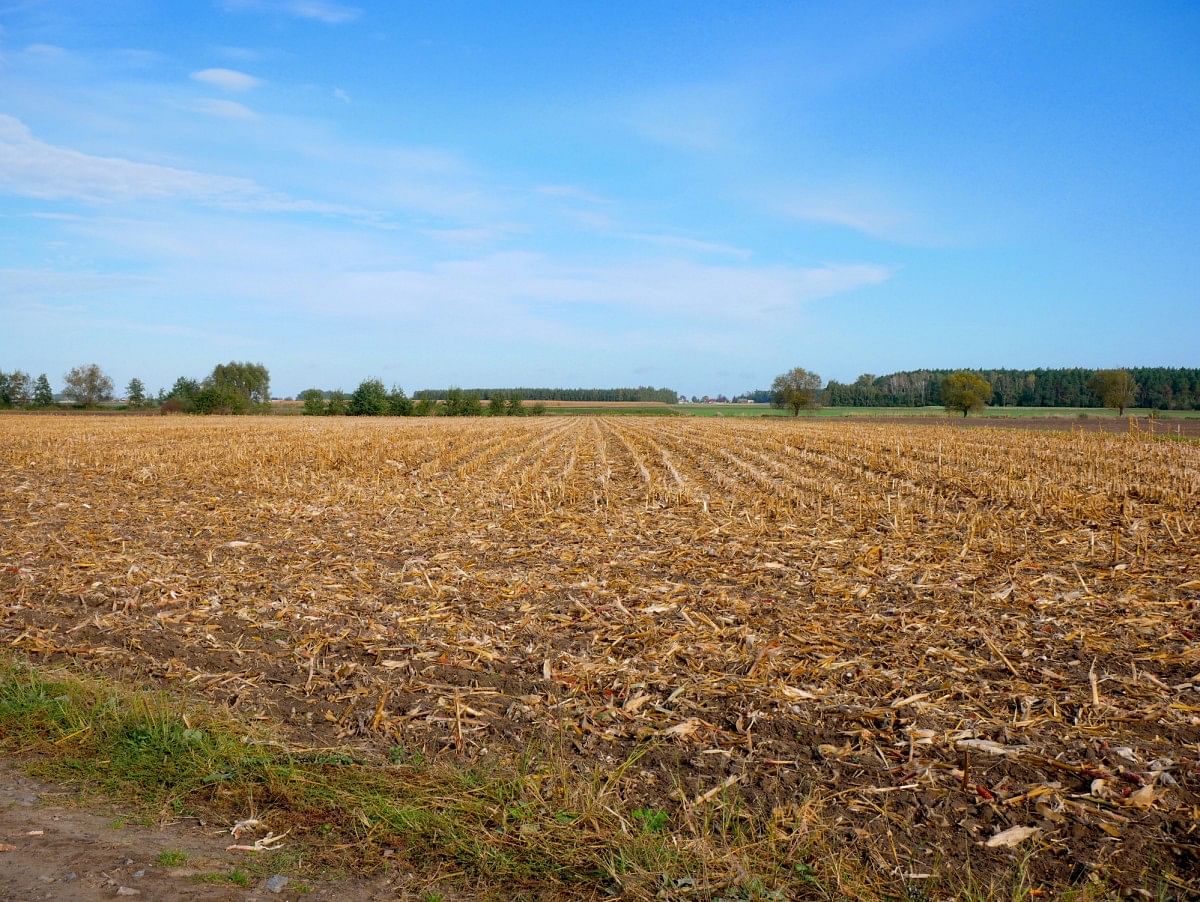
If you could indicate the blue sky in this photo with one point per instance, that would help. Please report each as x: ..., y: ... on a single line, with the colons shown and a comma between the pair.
x: 696, y: 195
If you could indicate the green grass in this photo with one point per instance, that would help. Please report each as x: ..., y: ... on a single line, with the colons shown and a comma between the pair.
x: 528, y: 828
x: 171, y: 859
x: 498, y: 827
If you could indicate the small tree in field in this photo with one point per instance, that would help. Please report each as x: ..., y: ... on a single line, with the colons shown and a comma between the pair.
x: 88, y: 385
x: 966, y: 392
x: 516, y: 405
x: 16, y: 390
x: 43, y: 394
x: 796, y: 390
x: 399, y: 404
x: 314, y: 402
x: 497, y: 406
x: 1115, y: 388
x: 370, y: 399
x: 337, y: 403
x: 135, y: 393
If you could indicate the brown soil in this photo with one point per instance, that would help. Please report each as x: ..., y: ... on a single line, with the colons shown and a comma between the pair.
x: 53, y: 848
x: 940, y: 634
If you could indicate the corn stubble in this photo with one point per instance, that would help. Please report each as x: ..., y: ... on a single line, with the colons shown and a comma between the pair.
x: 931, y: 648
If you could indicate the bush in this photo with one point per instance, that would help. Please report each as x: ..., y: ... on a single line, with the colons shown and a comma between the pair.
x: 370, y: 399
x: 314, y: 402
x: 399, y: 404
x: 222, y: 399
x: 337, y: 403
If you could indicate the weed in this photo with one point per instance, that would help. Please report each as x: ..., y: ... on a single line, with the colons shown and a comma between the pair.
x: 171, y: 859
x: 652, y: 819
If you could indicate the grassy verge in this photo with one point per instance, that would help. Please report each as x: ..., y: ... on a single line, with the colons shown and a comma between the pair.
x: 528, y: 829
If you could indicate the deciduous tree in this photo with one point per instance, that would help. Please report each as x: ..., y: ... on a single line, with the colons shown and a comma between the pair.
x: 88, y: 385
x: 966, y: 392
x: 370, y: 399
x: 314, y: 402
x: 1115, y: 389
x: 796, y: 390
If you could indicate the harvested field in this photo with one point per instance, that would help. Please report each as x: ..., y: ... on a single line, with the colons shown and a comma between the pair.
x: 918, y: 640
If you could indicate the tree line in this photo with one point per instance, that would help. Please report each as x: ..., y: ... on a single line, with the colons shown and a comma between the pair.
x: 1159, y: 388
x: 962, y: 391
x: 641, y: 393
x: 372, y: 399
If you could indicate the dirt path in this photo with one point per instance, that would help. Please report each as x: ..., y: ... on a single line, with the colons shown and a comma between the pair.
x: 50, y: 849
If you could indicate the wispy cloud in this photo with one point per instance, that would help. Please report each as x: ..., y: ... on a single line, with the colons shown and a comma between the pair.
x: 572, y: 192
x: 33, y: 168
x: 225, y: 109
x: 324, y: 11
x: 694, y: 117
x: 684, y: 243
x: 226, y: 79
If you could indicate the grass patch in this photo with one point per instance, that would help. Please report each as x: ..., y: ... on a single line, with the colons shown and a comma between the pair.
x: 531, y: 825
x: 527, y: 829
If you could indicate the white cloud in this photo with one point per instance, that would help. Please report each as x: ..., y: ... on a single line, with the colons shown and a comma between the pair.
x: 341, y: 95
x: 330, y: 13
x: 681, y: 242
x: 318, y: 10
x: 33, y: 168
x: 225, y: 109
x: 374, y: 275
x: 226, y: 79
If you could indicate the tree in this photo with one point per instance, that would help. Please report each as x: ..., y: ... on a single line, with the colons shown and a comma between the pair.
x: 87, y: 385
x: 796, y: 390
x: 368, y: 400
x: 250, y: 380
x: 223, y: 399
x: 314, y: 402
x: 337, y: 403
x: 16, y: 389
x: 43, y: 394
x: 1115, y: 389
x: 425, y: 407
x: 516, y: 406
x: 182, y: 396
x: 966, y: 392
x: 135, y: 393
x: 496, y: 406
x: 461, y: 403
x: 399, y: 404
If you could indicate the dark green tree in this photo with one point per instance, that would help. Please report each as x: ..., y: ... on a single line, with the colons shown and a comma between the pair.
x: 16, y: 389
x: 399, y: 404
x: 370, y: 399
x: 135, y: 393
x: 314, y: 402
x: 43, y: 394
x: 966, y: 392
x: 250, y: 380
x: 516, y: 406
x: 497, y: 405
x: 337, y: 403
x: 461, y: 403
x: 220, y: 398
